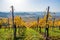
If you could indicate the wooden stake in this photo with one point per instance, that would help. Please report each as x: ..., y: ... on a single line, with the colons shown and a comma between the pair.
x: 14, y: 26
x: 47, y: 26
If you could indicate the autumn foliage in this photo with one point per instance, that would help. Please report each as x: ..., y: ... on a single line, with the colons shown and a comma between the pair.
x: 20, y: 22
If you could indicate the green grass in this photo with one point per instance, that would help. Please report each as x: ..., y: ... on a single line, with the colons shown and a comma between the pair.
x: 33, y: 35
x: 27, y: 33
x: 54, y: 32
x: 6, y: 34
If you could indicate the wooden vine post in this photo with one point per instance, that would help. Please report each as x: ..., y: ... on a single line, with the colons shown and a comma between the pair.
x: 14, y: 26
x: 47, y: 26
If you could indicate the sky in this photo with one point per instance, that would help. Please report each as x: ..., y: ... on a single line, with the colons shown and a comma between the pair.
x: 29, y: 5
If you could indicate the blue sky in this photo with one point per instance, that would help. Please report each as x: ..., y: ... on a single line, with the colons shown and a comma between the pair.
x: 30, y: 5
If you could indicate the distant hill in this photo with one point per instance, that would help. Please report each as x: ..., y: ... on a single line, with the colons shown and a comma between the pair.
x: 28, y: 14
x: 22, y: 14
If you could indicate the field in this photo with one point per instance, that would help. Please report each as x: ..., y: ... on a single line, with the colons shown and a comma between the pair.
x: 28, y: 34
x: 41, y: 29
